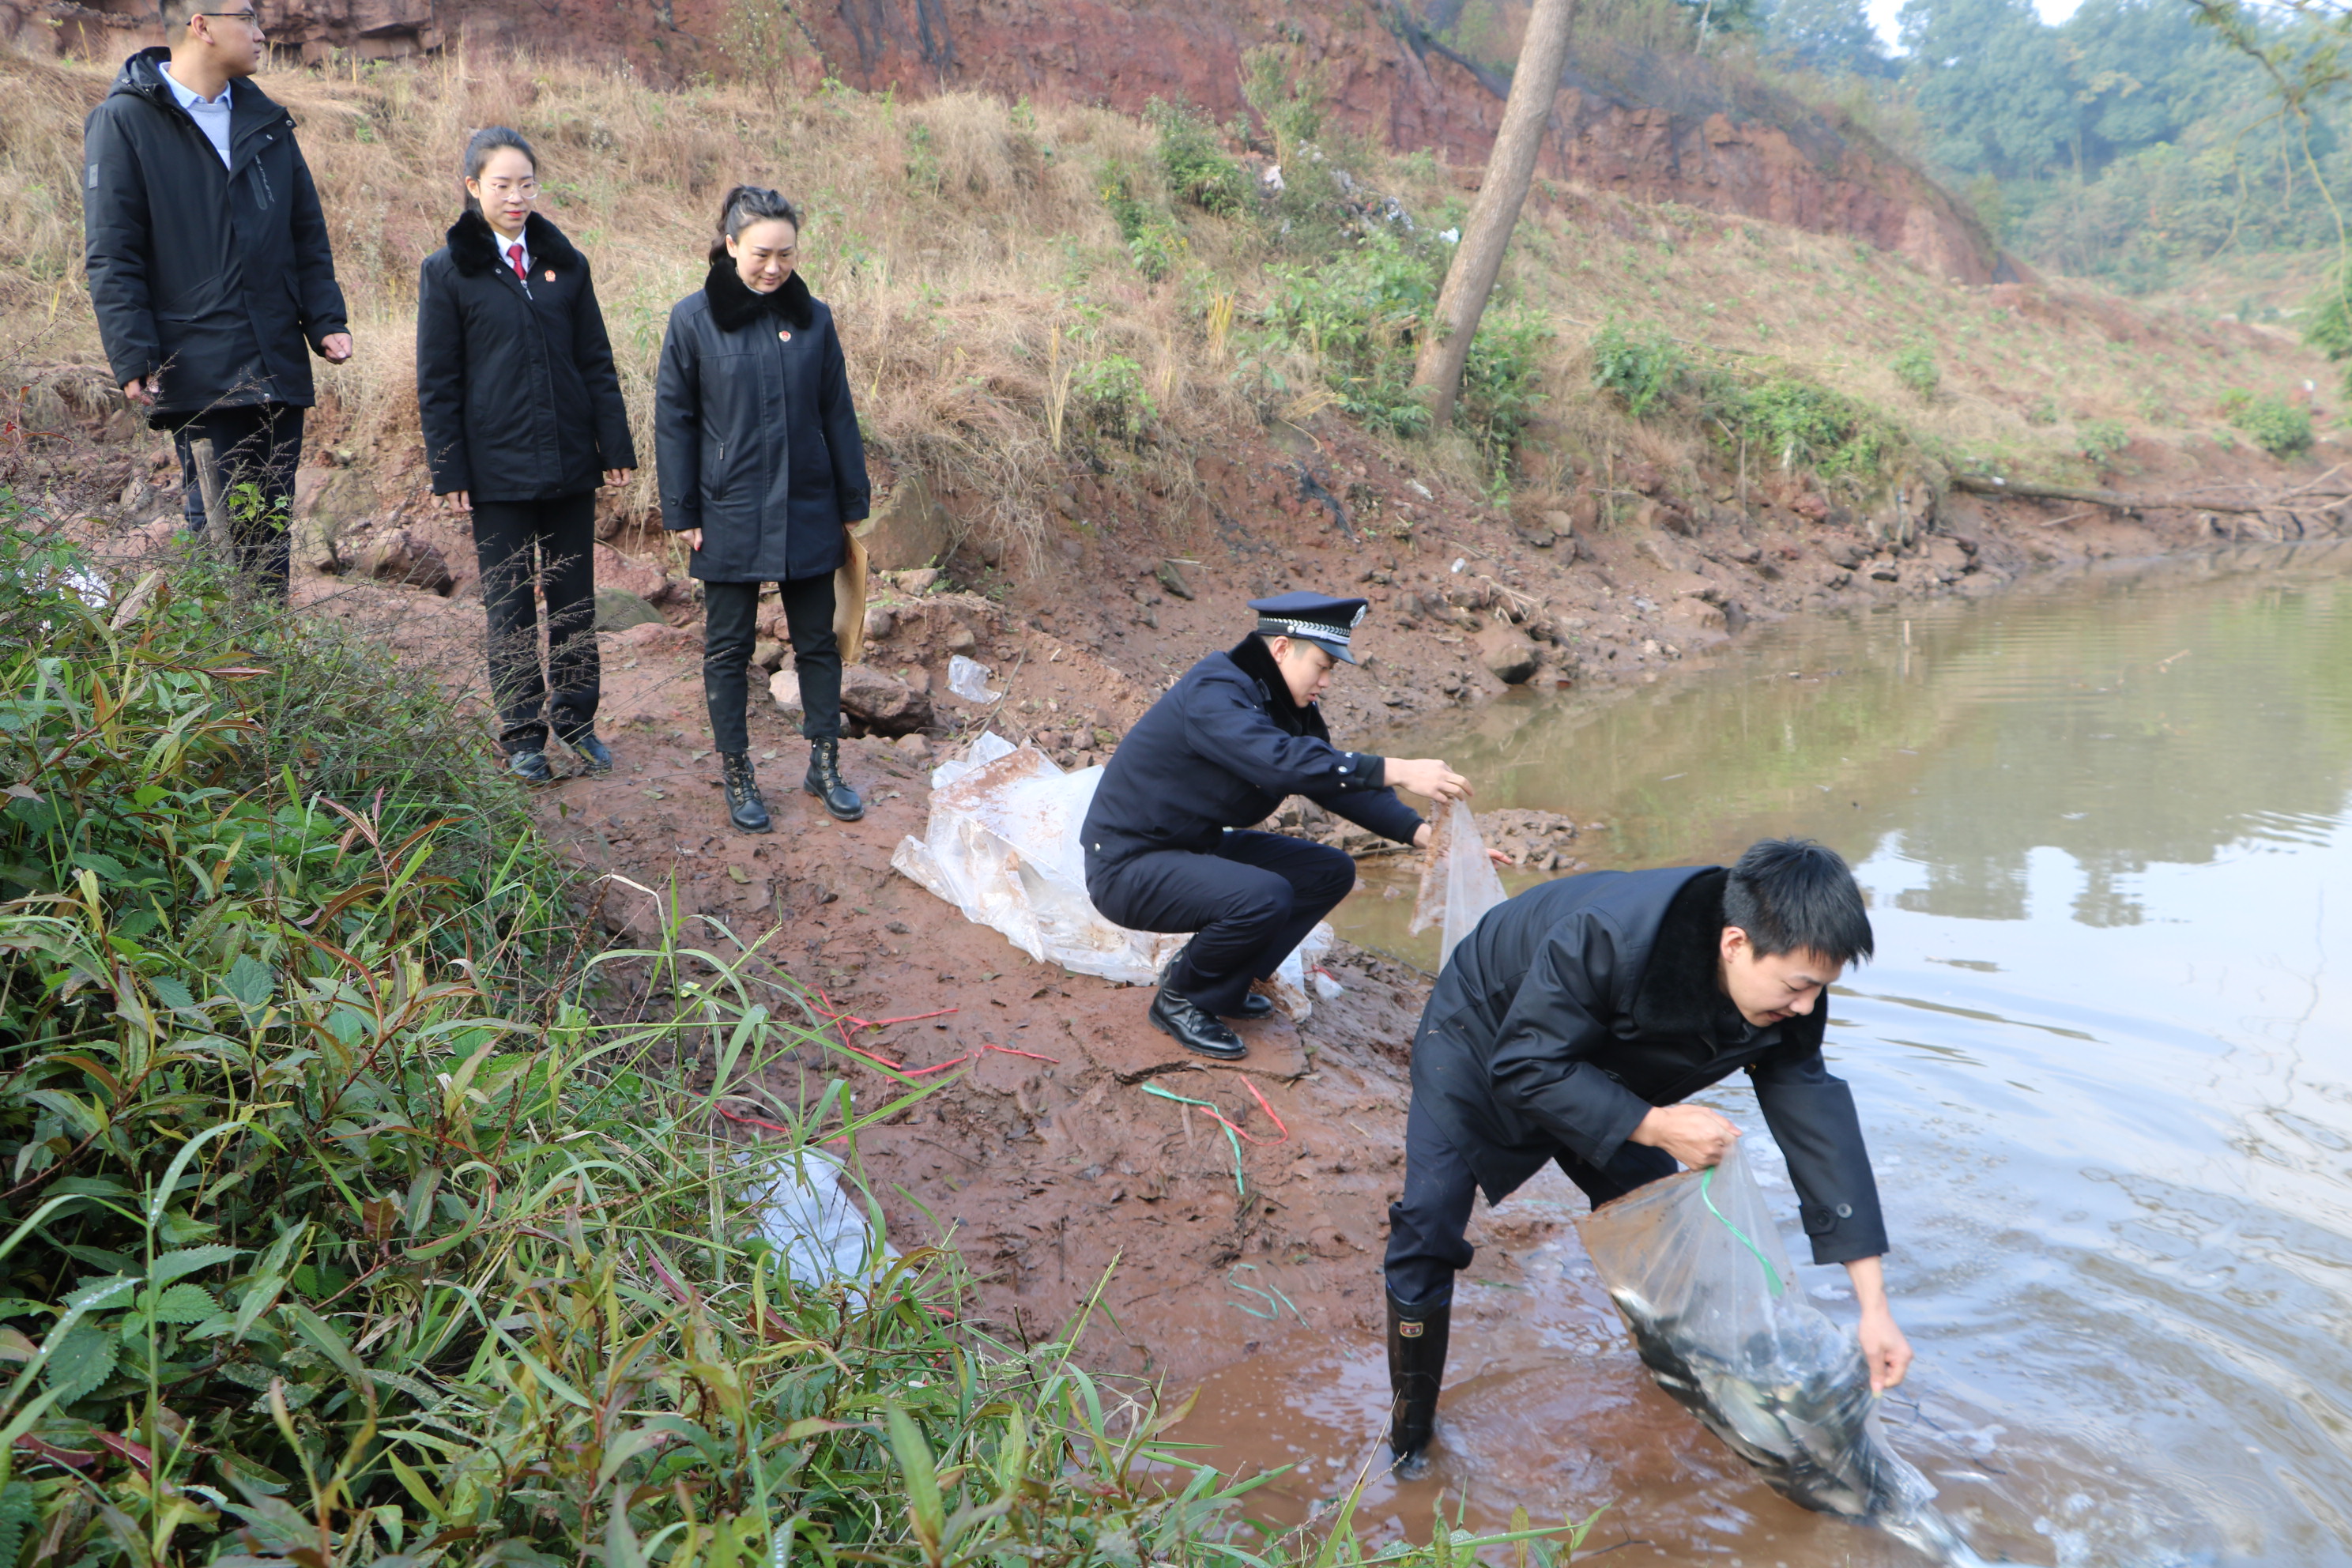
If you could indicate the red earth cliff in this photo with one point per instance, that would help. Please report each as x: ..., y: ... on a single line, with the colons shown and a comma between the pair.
x: 1651, y: 127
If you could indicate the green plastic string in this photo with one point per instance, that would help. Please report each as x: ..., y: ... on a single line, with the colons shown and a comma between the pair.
x: 1230, y: 1136
x: 1771, y: 1274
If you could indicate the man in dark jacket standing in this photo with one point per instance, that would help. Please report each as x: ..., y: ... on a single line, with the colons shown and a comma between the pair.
x: 209, y: 267
x: 1570, y: 1024
x: 1239, y: 733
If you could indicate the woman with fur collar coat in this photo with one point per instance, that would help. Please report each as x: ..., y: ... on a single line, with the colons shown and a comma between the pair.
x: 522, y: 412
x: 762, y: 472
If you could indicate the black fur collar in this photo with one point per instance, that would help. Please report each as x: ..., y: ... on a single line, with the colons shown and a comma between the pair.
x: 734, y: 306
x: 1257, y: 661
x: 1681, y: 994
x: 474, y: 250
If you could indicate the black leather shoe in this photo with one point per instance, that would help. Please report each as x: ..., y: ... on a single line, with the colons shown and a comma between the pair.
x: 1417, y: 1336
x: 745, y: 809
x: 826, y: 783
x: 530, y: 767
x: 595, y: 757
x: 1181, y: 1018
x: 1255, y: 1006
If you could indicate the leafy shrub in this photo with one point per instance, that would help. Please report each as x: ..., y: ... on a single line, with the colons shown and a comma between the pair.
x: 2044, y: 411
x: 1639, y: 365
x: 2330, y: 328
x: 1915, y: 368
x: 1291, y: 102
x: 1110, y: 394
x: 1198, y: 170
x: 1128, y: 211
x: 2102, y: 438
x: 1784, y: 418
x: 1500, y: 391
x: 2277, y: 426
x: 1798, y: 423
x: 1360, y: 315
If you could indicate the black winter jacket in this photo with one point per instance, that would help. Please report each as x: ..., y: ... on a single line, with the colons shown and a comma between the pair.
x: 216, y: 278
x: 1222, y: 748
x: 515, y: 384
x: 754, y: 432
x: 1573, y: 1009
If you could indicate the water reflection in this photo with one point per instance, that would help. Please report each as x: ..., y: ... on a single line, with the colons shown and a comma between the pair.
x: 2102, y: 1059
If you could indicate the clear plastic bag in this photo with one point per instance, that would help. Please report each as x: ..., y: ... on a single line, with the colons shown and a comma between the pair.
x: 1696, y: 1267
x: 1458, y: 883
x: 1001, y: 845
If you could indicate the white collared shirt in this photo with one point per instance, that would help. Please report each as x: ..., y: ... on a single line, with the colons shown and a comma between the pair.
x: 505, y: 256
x: 211, y: 114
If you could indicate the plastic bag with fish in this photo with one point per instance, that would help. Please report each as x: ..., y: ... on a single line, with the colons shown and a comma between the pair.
x: 1696, y: 1267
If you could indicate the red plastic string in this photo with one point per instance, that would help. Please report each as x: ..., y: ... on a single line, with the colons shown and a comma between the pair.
x: 1269, y: 1111
x: 1033, y: 1056
x: 1219, y: 1117
x: 754, y: 1122
x: 952, y: 1061
x: 909, y: 1019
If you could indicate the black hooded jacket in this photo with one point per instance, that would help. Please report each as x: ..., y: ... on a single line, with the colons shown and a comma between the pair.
x: 211, y: 280
x: 1222, y: 749
x: 755, y: 433
x: 515, y: 384
x: 1574, y: 1009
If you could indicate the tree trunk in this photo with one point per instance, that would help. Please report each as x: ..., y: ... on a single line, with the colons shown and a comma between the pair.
x: 1478, y: 259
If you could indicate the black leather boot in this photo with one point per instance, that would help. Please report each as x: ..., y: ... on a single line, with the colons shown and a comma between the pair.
x: 745, y: 809
x: 826, y: 783
x: 1181, y: 1018
x: 1416, y: 1371
x: 1253, y: 1005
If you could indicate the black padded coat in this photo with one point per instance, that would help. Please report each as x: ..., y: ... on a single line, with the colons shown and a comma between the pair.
x: 1222, y: 748
x: 515, y: 384
x: 1574, y: 1009
x: 755, y: 433
x: 220, y: 281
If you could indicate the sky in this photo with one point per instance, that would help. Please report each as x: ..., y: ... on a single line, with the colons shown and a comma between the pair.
x: 1884, y: 12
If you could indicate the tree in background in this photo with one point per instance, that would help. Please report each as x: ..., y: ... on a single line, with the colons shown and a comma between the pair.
x: 1992, y: 88
x: 1486, y: 232
x: 1832, y: 37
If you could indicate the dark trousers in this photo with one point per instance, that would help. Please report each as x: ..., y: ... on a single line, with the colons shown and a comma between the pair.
x: 1249, y: 902
x: 731, y: 629
x: 259, y: 444
x: 530, y: 549
x: 1425, y: 1245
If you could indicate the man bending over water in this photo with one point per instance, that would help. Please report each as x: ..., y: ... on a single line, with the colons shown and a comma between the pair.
x: 1573, y: 1023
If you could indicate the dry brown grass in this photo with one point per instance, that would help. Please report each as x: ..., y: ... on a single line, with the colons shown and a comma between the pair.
x: 966, y: 248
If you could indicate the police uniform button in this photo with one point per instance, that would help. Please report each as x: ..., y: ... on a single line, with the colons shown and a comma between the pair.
x: 1845, y: 1211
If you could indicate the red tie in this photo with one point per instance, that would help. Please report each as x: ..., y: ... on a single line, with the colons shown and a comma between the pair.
x: 514, y: 255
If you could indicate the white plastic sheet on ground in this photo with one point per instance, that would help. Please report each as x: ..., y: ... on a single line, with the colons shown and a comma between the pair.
x: 1458, y: 883
x: 806, y: 1213
x: 1003, y: 847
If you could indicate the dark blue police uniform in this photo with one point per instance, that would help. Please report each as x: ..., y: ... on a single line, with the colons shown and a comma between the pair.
x: 1220, y: 751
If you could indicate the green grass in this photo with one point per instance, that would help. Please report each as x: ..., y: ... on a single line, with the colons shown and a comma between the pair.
x: 359, y: 1209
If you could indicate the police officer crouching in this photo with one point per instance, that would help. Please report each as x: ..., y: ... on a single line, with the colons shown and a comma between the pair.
x: 1227, y: 743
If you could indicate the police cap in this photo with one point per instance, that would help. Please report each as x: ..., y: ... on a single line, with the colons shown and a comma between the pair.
x: 1318, y: 617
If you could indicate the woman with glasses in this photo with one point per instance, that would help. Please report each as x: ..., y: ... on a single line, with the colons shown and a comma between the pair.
x: 522, y: 412
x: 762, y: 472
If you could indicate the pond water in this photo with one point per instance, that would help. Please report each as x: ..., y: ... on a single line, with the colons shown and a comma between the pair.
x: 2104, y: 1058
